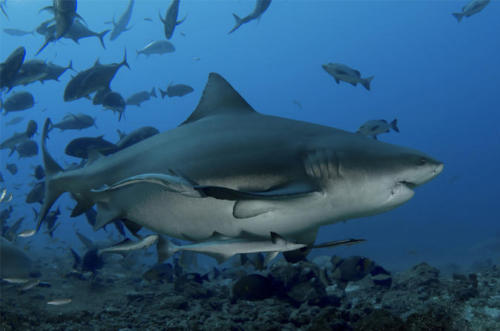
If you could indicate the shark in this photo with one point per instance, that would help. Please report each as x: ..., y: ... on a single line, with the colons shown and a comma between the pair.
x: 242, y: 175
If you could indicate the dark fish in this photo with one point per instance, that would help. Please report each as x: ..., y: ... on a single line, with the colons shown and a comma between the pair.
x: 31, y: 71
x: 157, y: 47
x: 96, y: 78
x: 15, y: 120
x: 177, y: 90
x: 170, y: 20
x: 39, y: 172
x: 19, y: 137
x: 11, y: 233
x: 148, y: 19
x: 81, y: 147
x: 115, y: 102
x: 9, y: 68
x: 121, y: 25
x: 74, y: 122
x: 12, y: 168
x: 473, y: 7
x: 80, y: 31
x: 18, y: 101
x: 136, y: 136
x: 137, y: 98
x: 17, y: 32
x: 54, y: 71
x: 375, y: 127
x: 260, y: 7
x: 3, y: 4
x: 64, y: 14
x: 27, y: 148
x: 99, y: 96
x: 341, y: 72
x: 37, y: 193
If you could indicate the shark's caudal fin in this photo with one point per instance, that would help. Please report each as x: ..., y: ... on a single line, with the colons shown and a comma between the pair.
x: 366, y: 82
x: 238, y: 23
x: 53, y: 188
x: 394, y: 125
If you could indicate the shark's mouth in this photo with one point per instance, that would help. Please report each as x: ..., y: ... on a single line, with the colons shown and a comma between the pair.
x: 409, y: 185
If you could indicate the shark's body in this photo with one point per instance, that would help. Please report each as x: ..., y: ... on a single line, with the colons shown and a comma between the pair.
x: 232, y: 171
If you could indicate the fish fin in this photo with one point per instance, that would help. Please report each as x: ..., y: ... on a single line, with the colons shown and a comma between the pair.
x: 85, y: 241
x: 163, y: 93
x: 161, y: 18
x: 48, y: 8
x: 366, y: 82
x: 105, y: 215
x: 82, y: 205
x: 124, y: 61
x: 394, y: 125
x: 101, y: 36
x: 93, y: 155
x: 219, y: 97
x: 53, y: 187
x: 81, y: 18
x: 277, y: 239
x: 132, y: 227
x: 337, y: 80
x: 179, y: 22
x: 292, y: 190
x: 458, y: 16
x: 165, y: 249
x: 251, y: 208
x: 238, y: 23
x: 153, y: 92
x: 269, y: 257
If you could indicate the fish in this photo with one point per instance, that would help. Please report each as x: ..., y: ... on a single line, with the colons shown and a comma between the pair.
x: 98, y: 98
x: 3, y: 194
x: 10, y: 67
x: 14, y: 263
x: 91, y: 80
x: 17, y: 32
x: 14, y: 121
x: 148, y: 19
x: 3, y: 5
x: 136, y: 136
x: 72, y: 121
x: 222, y: 248
x: 18, y: 101
x: 170, y: 20
x: 29, y: 285
x: 137, y: 98
x: 231, y: 170
x: 78, y: 31
x: 30, y: 72
x: 16, y: 281
x: 176, y: 90
x: 27, y: 233
x: 54, y: 71
x: 19, y: 137
x: 473, y: 7
x: 157, y: 47
x: 341, y: 72
x: 128, y: 245
x: 59, y: 302
x: 36, y: 194
x: 82, y: 147
x: 373, y: 128
x: 11, y: 233
x: 28, y: 148
x: 260, y: 7
x: 12, y: 168
x: 64, y: 14
x: 121, y: 26
x: 115, y: 102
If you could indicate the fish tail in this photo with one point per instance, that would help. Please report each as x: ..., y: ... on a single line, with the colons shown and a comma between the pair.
x: 238, y: 23
x: 394, y: 125
x: 163, y: 93
x: 70, y: 65
x: 458, y: 16
x: 53, y: 188
x: 153, y: 92
x: 366, y: 82
x: 101, y: 37
x: 124, y: 61
x: 165, y: 249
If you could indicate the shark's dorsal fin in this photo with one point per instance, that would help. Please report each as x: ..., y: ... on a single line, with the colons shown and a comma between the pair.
x: 219, y: 97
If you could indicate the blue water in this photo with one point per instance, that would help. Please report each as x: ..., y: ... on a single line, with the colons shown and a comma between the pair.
x: 439, y: 78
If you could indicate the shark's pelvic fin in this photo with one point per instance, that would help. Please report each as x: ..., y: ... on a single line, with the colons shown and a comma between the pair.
x: 219, y: 97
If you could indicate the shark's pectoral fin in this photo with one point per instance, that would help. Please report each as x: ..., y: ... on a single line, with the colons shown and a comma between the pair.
x: 83, y: 204
x: 251, y: 208
x: 105, y: 215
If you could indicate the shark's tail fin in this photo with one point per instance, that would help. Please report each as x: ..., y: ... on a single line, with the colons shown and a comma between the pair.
x: 458, y: 16
x: 163, y: 93
x: 165, y: 249
x: 394, y: 125
x: 53, y: 188
x: 153, y: 92
x: 366, y: 82
x: 238, y: 23
x: 124, y: 61
x: 101, y: 37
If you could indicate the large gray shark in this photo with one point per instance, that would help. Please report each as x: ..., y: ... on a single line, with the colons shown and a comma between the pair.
x: 232, y: 171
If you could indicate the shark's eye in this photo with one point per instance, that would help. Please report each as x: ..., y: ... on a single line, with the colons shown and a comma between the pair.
x: 422, y: 161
